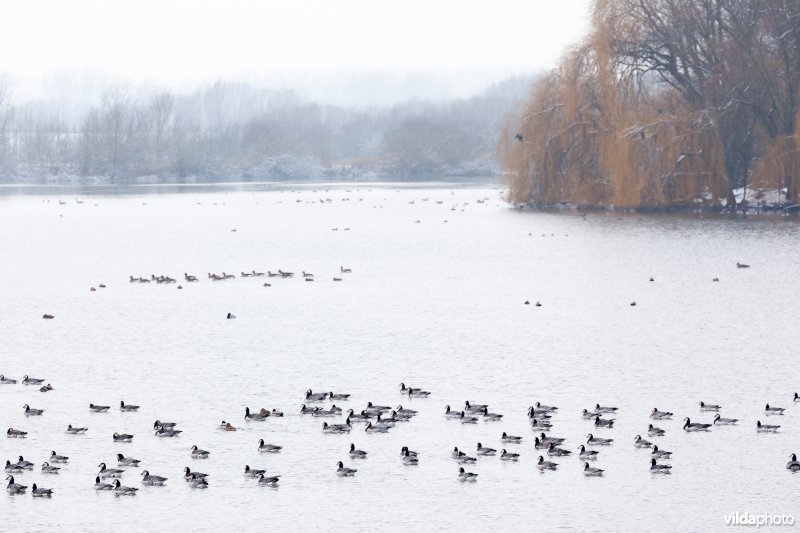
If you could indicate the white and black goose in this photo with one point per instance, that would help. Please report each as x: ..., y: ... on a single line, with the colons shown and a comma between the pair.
x: 545, y: 408
x: 22, y: 463
x: 15, y: 488
x: 315, y: 396
x: 30, y: 411
x: 122, y: 490
x: 47, y: 468
x: 639, y: 442
x: 197, y: 453
x: 512, y: 439
x: 766, y: 428
x: 709, y: 407
x: 597, y: 441
x: 13, y: 468
x: 491, y: 417
x: 793, y: 464
x: 485, y: 450
x: 508, y: 456
x: 151, y: 480
x: 451, y: 413
x: 719, y: 421
x: 264, y: 447
x: 660, y: 454
x: 109, y: 472
x: 254, y: 417
x: 343, y: 471
x: 656, y: 468
x: 76, y: 430
x: 168, y: 432
x: 373, y: 409
x: 654, y: 431
x: 605, y: 409
x: 253, y: 472
x: 655, y: 414
x: 197, y: 482
x: 122, y: 437
x: 376, y: 429
x: 466, y: 419
x: 603, y: 422
x: 545, y: 465
x: 188, y: 475
x: 542, y: 425
x: 31, y: 381
x: 587, y: 455
x: 592, y: 471
x: 555, y: 451
x: 590, y: 414
x: 355, y: 453
x: 405, y: 449
x: 127, y: 408
x: 8, y: 381
x: 268, y: 480
x: 99, y: 408
x: 337, y: 428
x: 408, y: 459
x: 127, y: 461
x: 166, y: 425
x: 694, y: 426
x: 468, y: 407
x: 338, y: 396
x: 463, y: 475
x: 774, y: 410
x: 100, y: 485
x: 555, y: 440
x: 400, y: 410
x: 55, y: 458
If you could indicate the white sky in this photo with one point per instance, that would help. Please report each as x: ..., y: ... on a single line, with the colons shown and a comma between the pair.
x: 177, y: 43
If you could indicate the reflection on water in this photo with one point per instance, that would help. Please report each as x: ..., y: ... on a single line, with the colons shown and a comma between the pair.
x: 436, y: 304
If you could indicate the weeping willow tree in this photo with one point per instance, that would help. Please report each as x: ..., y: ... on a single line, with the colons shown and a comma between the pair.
x: 666, y: 103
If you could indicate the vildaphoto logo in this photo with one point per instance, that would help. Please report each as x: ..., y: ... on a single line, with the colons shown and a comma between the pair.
x: 758, y: 520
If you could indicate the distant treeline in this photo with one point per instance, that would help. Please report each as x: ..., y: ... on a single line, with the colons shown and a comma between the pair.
x: 666, y: 103
x: 237, y: 131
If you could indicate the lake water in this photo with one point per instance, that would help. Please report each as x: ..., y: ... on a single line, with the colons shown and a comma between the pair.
x: 436, y: 304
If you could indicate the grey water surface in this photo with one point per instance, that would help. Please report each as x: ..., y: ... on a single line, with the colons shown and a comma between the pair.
x: 438, y: 304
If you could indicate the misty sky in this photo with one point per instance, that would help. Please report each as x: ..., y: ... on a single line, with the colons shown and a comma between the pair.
x: 180, y: 43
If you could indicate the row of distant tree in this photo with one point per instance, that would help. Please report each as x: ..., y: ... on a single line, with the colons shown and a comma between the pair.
x: 666, y: 103
x: 239, y: 131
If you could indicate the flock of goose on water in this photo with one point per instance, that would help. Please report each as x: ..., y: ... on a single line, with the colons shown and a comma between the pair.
x: 376, y: 419
x: 189, y: 278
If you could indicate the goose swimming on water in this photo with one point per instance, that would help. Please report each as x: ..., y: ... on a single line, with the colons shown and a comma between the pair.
x: 694, y: 426
x: 793, y: 465
x: 660, y: 454
x: 31, y: 381
x: 557, y: 452
x: 127, y: 408
x: 485, y: 450
x: 545, y: 408
x: 656, y: 468
x: 197, y: 453
x: 29, y: 411
x: 127, y: 461
x: 122, y: 437
x: 587, y: 455
x: 355, y: 453
x: 507, y: 456
x: 76, y: 431
x: 268, y: 480
x: 468, y: 419
x: 491, y: 417
x: 469, y: 408
x: 197, y: 482
x: 15, y: 433
x: 591, y: 471
x: 545, y: 465
x: 338, y: 396
x: 99, y: 408
x: 510, y: 438
x: 268, y: 448
x: 654, y: 431
x: 451, y: 413
x: 603, y: 422
x: 766, y: 428
x: 659, y: 415
x: 149, y: 479
x: 99, y: 485
x: 774, y: 410
x: 8, y: 381
x: 463, y: 475
x: 709, y: 407
x: 15, y: 488
x: 342, y: 471
x: 600, y: 409
x: 639, y: 442
x: 121, y: 490
x: 408, y: 459
x: 109, y: 472
x: 256, y: 417
x: 718, y: 420
x: 188, y: 474
x: 13, y: 468
x: 315, y: 396
x: 376, y: 429
x: 252, y: 472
